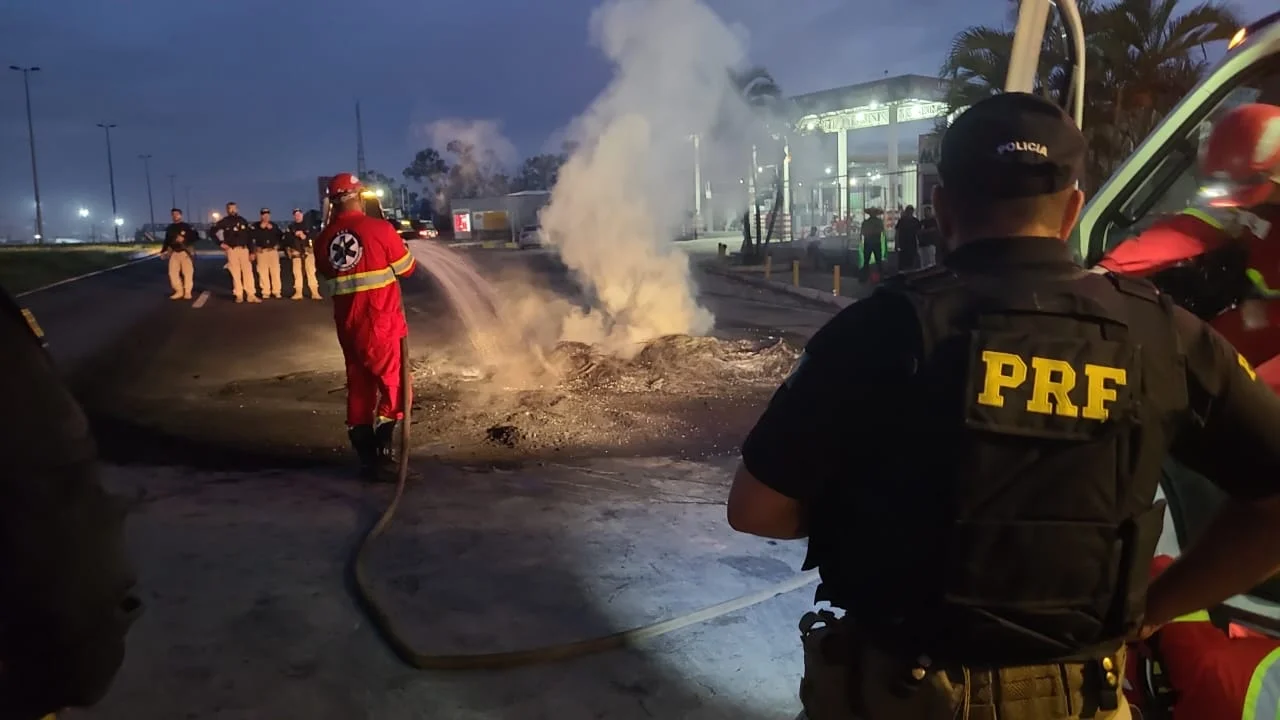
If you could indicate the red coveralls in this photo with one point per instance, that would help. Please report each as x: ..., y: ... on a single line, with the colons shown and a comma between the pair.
x: 1254, y: 327
x: 1214, y: 674
x: 362, y: 257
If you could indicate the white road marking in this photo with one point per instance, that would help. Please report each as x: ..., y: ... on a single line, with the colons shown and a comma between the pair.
x: 135, y: 261
x: 201, y: 300
x: 415, y: 310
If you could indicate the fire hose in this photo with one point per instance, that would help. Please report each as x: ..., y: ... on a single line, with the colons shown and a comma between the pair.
x: 390, y: 634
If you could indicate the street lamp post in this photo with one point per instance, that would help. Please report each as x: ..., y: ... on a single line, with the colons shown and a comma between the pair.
x: 31, y: 136
x: 84, y: 215
x: 151, y: 198
x: 111, y: 173
x: 173, y: 191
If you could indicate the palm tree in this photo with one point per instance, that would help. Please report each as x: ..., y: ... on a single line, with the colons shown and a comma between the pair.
x: 1142, y: 59
x: 761, y: 92
x: 1147, y: 59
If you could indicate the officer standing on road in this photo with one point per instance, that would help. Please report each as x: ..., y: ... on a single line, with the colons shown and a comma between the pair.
x: 1000, y: 573
x: 179, y: 239
x: 362, y: 257
x: 268, y: 241
x: 301, y: 244
x: 232, y: 233
x: 65, y: 580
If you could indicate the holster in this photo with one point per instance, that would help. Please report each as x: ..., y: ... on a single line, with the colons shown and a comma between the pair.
x: 830, y: 674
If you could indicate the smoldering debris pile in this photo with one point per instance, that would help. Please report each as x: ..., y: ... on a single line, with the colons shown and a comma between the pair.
x: 673, y: 364
x: 675, y: 388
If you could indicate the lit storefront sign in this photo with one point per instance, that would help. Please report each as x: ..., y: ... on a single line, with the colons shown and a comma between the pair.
x: 869, y: 117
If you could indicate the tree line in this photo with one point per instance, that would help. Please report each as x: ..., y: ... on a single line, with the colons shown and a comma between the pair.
x: 461, y: 170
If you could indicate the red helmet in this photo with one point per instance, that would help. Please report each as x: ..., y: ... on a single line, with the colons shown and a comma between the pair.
x: 342, y: 185
x: 1240, y: 160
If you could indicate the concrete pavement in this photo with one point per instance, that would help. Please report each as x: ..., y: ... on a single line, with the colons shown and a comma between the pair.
x: 230, y: 419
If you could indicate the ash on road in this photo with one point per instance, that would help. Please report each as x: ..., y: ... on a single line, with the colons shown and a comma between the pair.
x: 233, y: 382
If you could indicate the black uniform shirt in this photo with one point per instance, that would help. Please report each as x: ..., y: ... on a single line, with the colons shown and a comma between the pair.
x: 854, y: 369
x: 266, y: 238
x: 297, y: 243
x: 234, y: 229
x: 179, y: 237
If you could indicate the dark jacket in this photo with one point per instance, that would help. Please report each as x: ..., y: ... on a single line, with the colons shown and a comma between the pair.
x: 266, y: 238
x: 234, y: 231
x: 67, y: 599
x: 303, y: 245
x: 873, y: 228
x: 928, y: 235
x: 907, y: 234
x: 180, y: 237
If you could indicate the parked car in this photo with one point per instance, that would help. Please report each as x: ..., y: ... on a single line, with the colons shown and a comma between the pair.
x: 530, y: 237
x: 418, y: 230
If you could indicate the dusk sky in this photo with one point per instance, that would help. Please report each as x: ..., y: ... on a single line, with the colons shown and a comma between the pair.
x: 252, y: 100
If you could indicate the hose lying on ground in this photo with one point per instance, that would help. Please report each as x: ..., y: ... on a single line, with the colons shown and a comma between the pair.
x: 412, y: 657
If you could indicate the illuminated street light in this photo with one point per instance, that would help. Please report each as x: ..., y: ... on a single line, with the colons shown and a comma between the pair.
x: 84, y: 212
x: 216, y: 216
x: 379, y: 192
x: 119, y: 222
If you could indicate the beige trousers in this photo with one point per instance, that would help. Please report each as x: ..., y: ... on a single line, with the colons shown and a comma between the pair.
x: 241, y: 269
x: 269, y: 272
x: 180, y: 274
x: 305, y: 265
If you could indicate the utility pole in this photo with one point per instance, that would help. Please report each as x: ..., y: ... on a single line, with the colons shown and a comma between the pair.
x: 173, y: 191
x: 111, y: 173
x: 31, y: 135
x: 359, y: 144
x: 151, y: 198
x: 188, y: 208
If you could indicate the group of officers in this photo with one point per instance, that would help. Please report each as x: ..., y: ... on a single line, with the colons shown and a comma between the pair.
x: 247, y: 245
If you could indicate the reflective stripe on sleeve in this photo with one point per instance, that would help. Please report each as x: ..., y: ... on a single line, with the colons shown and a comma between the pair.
x: 403, y: 265
x: 1205, y: 217
x: 1199, y: 616
x: 1262, y: 701
x: 360, y: 282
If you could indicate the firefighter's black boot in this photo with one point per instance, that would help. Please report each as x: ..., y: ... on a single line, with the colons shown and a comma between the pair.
x: 388, y: 459
x: 365, y: 443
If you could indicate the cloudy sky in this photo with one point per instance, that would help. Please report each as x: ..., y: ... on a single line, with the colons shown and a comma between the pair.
x: 252, y: 100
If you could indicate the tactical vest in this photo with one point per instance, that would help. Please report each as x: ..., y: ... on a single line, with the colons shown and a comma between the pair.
x: 1015, y: 524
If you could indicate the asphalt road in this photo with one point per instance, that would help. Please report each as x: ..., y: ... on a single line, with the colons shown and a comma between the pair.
x: 221, y: 385
x: 82, y: 319
x: 225, y: 424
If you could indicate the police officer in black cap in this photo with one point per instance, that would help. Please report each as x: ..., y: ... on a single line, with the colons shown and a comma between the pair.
x: 66, y: 584
x: 1000, y: 572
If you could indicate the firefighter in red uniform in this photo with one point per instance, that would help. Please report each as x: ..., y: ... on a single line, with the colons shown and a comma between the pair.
x: 1239, y: 222
x: 361, y: 257
x: 1197, y: 668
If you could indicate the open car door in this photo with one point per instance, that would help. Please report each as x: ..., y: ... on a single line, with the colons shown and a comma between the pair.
x: 1160, y: 179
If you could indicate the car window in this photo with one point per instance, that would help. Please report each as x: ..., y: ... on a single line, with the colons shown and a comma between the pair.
x: 1170, y: 184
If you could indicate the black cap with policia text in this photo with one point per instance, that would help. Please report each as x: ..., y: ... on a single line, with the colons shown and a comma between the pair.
x: 1011, y: 145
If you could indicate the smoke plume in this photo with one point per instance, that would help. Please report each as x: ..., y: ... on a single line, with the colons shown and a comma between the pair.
x: 627, y: 189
